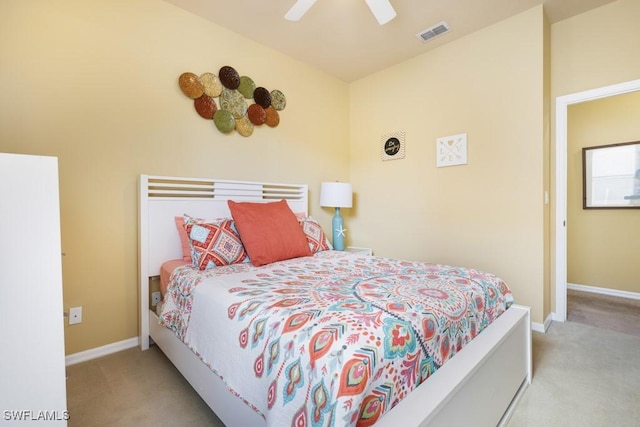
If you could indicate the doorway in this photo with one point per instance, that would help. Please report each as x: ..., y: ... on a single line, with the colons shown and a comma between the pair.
x: 562, y: 104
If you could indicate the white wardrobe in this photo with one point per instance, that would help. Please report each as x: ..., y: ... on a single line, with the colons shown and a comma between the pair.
x: 32, y: 360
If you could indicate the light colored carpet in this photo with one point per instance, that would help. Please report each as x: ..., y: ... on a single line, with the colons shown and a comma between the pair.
x: 583, y: 376
x: 587, y: 370
x: 133, y: 388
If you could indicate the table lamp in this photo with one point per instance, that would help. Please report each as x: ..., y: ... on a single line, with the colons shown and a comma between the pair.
x: 337, y: 195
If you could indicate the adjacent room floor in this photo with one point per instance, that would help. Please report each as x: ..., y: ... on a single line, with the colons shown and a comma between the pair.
x: 604, y: 311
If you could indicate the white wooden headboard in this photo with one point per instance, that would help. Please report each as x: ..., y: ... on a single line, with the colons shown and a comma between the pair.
x: 162, y: 198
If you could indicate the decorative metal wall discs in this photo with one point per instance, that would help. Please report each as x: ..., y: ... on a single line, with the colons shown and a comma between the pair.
x: 247, y: 86
x: 273, y: 118
x: 224, y: 121
x: 229, y: 77
x: 256, y: 114
x: 233, y: 101
x: 191, y: 85
x: 232, y: 110
x: 244, y: 126
x: 205, y: 106
x: 212, y: 84
x: 262, y: 97
x: 278, y: 101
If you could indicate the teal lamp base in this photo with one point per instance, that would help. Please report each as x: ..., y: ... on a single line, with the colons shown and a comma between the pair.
x: 338, y: 231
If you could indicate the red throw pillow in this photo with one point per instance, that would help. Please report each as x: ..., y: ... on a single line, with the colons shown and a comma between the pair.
x: 269, y: 231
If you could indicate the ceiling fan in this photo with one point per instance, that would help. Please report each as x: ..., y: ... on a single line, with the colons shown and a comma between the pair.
x: 381, y: 9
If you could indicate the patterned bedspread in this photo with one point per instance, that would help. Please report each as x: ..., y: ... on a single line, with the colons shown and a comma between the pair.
x: 333, y: 339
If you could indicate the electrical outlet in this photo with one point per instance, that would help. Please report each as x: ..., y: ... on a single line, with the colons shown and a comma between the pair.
x: 155, y: 298
x: 75, y: 315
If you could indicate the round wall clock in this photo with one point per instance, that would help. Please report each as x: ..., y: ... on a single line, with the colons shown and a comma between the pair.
x: 393, y: 146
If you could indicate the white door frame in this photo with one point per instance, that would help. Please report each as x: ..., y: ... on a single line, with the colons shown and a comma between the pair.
x: 562, y: 104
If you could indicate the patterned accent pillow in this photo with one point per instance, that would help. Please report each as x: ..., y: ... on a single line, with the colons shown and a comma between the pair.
x: 214, y: 244
x: 315, y: 236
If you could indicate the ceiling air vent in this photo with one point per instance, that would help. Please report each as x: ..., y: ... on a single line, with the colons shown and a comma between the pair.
x: 434, y: 31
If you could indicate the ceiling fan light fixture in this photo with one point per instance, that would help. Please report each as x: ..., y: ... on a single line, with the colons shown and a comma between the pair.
x: 382, y: 10
x: 298, y: 10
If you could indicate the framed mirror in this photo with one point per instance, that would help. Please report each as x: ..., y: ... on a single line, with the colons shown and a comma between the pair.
x: 611, y: 176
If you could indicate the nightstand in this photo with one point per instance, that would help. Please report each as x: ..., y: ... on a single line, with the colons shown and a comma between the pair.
x: 360, y: 251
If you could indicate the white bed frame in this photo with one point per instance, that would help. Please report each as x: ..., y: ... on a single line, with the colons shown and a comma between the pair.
x: 479, y: 386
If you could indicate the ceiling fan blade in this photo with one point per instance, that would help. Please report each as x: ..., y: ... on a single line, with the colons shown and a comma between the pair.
x: 382, y: 10
x: 298, y: 10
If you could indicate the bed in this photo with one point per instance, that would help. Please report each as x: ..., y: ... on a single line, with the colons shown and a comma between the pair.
x: 477, y: 386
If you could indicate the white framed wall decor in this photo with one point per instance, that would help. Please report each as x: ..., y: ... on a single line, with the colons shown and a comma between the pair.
x: 451, y: 150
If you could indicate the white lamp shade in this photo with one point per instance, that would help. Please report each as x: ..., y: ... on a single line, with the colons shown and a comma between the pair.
x: 336, y: 194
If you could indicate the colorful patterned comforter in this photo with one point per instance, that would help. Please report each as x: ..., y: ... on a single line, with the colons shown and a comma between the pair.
x: 333, y: 339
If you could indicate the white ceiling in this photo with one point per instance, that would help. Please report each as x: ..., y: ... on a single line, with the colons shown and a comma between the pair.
x: 342, y: 37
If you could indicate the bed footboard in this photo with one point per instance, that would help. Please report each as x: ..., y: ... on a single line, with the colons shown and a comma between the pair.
x: 480, y: 385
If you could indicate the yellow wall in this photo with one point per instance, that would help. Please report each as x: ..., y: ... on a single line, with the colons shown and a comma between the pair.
x: 95, y: 83
x: 601, y: 251
x: 592, y: 50
x: 546, y: 173
x: 595, y: 49
x: 487, y: 214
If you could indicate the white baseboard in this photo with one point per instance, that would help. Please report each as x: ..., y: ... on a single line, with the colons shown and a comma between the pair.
x: 542, y: 327
x: 538, y: 327
x: 554, y: 316
x: 105, y: 350
x: 603, y: 291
